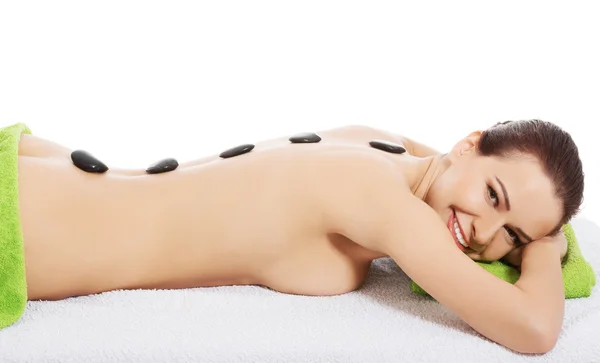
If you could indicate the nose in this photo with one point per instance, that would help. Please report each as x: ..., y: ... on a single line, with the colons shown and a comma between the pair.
x: 484, y: 230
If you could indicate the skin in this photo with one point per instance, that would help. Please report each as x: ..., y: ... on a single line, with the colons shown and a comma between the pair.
x: 301, y: 219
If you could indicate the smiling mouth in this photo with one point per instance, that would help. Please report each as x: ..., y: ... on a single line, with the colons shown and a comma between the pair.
x: 456, y: 231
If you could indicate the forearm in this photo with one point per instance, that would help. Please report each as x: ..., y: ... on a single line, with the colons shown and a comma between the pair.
x: 496, y: 309
x: 542, y: 283
x: 532, y: 321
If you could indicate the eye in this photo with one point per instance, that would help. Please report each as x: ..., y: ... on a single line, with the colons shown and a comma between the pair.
x: 493, y: 196
x: 513, y: 236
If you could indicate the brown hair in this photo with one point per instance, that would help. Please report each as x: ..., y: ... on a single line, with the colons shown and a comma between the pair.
x: 551, y: 146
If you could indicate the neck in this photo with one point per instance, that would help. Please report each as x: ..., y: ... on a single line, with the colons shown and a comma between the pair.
x: 432, y: 168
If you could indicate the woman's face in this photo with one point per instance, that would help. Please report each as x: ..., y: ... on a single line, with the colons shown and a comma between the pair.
x: 498, y: 204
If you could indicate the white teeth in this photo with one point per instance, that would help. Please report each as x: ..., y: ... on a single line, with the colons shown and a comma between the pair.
x: 459, y: 235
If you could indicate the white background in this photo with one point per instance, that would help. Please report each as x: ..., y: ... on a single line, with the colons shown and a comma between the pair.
x: 133, y: 82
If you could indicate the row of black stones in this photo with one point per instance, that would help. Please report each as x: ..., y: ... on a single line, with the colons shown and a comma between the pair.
x: 303, y: 138
x: 88, y: 163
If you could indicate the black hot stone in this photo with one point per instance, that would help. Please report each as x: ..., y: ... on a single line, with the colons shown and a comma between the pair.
x: 238, y: 150
x: 163, y: 166
x: 388, y: 146
x: 305, y: 137
x: 88, y: 163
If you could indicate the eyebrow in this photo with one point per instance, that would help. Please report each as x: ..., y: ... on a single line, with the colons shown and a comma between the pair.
x: 505, y: 194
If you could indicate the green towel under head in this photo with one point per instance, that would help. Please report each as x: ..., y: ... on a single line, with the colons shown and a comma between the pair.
x: 578, y: 276
x: 13, y: 287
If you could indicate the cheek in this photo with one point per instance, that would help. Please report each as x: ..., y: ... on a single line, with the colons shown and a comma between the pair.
x: 456, y: 188
x: 470, y: 199
x: 468, y: 188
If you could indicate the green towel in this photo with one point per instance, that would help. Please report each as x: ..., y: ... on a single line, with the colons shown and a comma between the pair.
x: 578, y: 276
x: 13, y: 287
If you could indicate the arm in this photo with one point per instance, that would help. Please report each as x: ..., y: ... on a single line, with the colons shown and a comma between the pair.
x: 525, y: 317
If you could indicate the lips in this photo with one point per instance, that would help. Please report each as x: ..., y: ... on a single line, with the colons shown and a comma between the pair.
x: 450, y: 225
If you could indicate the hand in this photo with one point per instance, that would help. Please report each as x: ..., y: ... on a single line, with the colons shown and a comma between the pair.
x: 560, y: 240
x: 515, y: 256
x: 562, y: 245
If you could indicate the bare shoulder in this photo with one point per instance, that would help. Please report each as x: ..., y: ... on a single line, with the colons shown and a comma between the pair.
x: 412, y: 146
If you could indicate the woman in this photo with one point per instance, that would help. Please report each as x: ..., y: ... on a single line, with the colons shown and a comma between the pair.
x: 307, y: 214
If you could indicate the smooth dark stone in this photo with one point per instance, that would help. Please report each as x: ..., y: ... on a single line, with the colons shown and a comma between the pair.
x: 238, y: 150
x: 305, y: 137
x: 388, y: 146
x: 163, y: 166
x: 88, y: 163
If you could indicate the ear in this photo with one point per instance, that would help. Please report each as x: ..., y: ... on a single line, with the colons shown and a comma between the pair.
x: 465, y: 146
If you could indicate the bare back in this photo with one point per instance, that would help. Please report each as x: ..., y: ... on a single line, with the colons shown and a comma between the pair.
x: 261, y: 218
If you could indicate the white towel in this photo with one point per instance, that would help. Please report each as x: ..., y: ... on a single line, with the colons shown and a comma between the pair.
x: 382, y: 322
